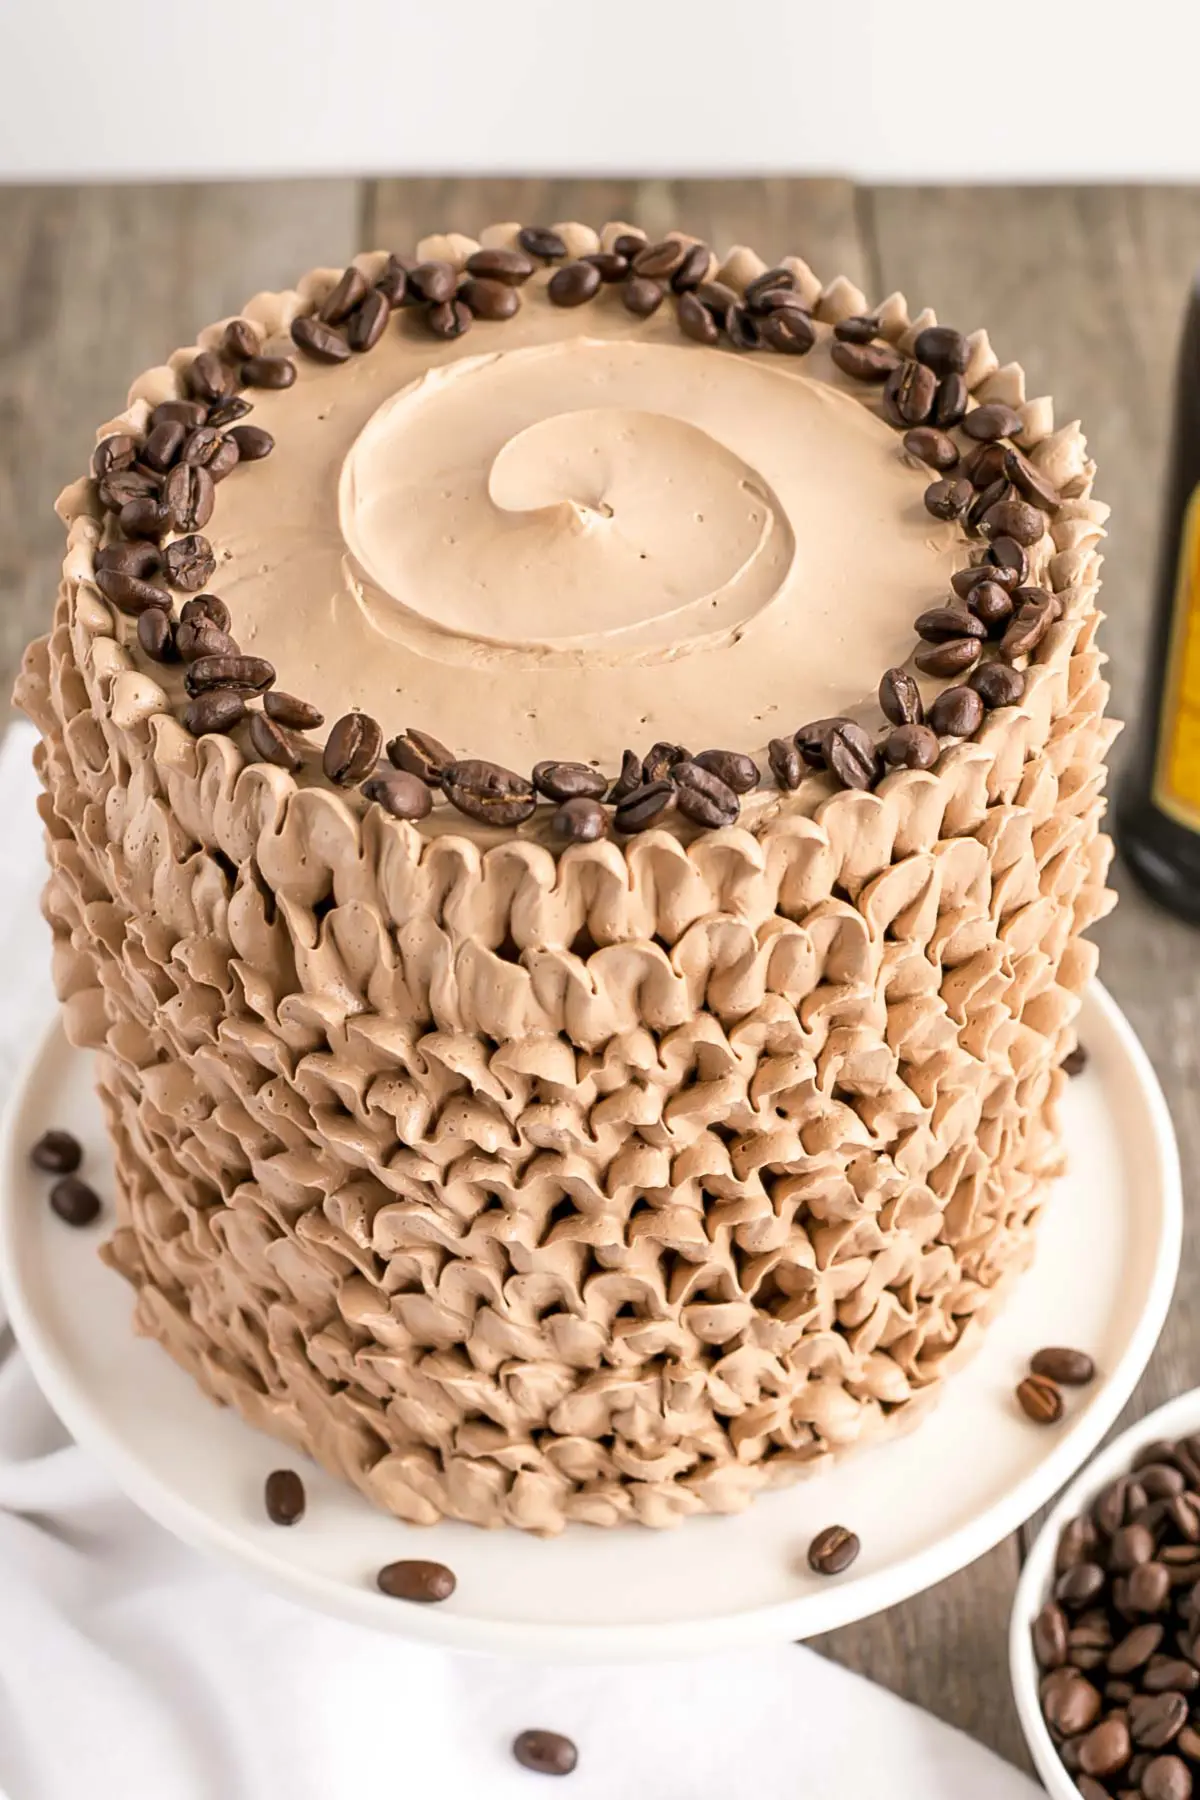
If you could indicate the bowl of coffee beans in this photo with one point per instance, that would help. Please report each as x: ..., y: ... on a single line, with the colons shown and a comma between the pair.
x: 1104, y: 1646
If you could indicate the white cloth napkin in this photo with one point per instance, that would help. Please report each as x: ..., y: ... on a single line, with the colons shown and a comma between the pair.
x: 133, y: 1669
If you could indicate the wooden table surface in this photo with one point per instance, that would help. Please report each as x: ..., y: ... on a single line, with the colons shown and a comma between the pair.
x: 1085, y: 287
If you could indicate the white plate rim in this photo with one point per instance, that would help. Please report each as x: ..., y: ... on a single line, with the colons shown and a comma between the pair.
x: 833, y: 1605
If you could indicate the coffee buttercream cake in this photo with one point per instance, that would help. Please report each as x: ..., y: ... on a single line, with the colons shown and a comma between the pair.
x: 573, y: 775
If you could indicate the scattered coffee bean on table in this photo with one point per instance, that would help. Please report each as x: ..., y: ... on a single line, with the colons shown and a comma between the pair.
x: 284, y: 1497
x: 57, y: 1153
x: 1069, y: 1368
x: 545, y: 1752
x: 832, y: 1550
x: 1040, y: 1400
x: 424, y: 1582
x: 74, y: 1201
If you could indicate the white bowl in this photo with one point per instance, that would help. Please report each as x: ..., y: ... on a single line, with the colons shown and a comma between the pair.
x: 1178, y: 1418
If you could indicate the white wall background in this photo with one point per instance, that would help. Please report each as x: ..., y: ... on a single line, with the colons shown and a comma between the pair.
x: 907, y: 90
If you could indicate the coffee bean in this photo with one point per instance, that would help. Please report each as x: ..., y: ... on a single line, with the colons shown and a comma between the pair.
x: 991, y: 421
x: 129, y: 594
x: 393, y: 283
x: 202, y: 637
x: 987, y: 463
x: 1130, y: 1544
x: 253, y: 443
x: 318, y: 340
x: 147, y: 518
x: 284, y: 1497
x: 943, y: 350
x: 1166, y: 1778
x: 218, y: 710
x: 1030, y: 482
x: 789, y: 331
x: 568, y: 780
x: 297, y: 715
x: 57, y: 1153
x: 1135, y: 1649
x: 1188, y: 1742
x: 208, y: 377
x: 957, y: 712
x: 268, y: 372
x: 242, y: 674
x: 508, y: 266
x: 141, y: 560
x: 741, y: 327
x: 228, y: 412
x: 163, y: 445
x: 948, y: 499
x: 1069, y: 1702
x: 1029, y: 626
x: 1161, y: 1481
x: 450, y: 319
x: 852, y: 756
x: 693, y: 269
x: 74, y: 1201
x: 773, y: 300
x: 659, y: 260
x: 188, y: 562
x: 201, y: 446
x: 1076, y: 1543
x: 433, y: 281
x: 114, y: 454
x: 771, y: 281
x: 950, y: 402
x: 352, y: 749
x: 900, y: 698
x: 1170, y: 1674
x: 1148, y: 1589
x: 1075, y: 1061
x: 573, y: 284
x: 982, y: 502
x: 424, y: 1582
x: 931, y: 446
x: 1111, y: 1506
x: 812, y: 740
x: 860, y: 328
x: 965, y: 581
x: 612, y: 267
x: 206, y: 606
x: 942, y: 624
x: 911, y: 747
x: 833, y: 1550
x: 239, y: 340
x: 419, y: 754
x: 641, y: 296
x: 639, y: 810
x: 402, y: 795
x: 580, y: 819
x: 189, y: 497
x: 785, y: 762
x: 1106, y: 1747
x: 999, y: 685
x: 661, y: 759
x: 1090, y: 1789
x: 188, y: 413
x: 488, y: 792
x: 953, y: 657
x: 739, y: 773
x: 545, y: 1752
x: 1040, y: 1400
x: 629, y: 780
x: 272, y: 744
x: 156, y: 635
x: 123, y: 485
x: 695, y: 320
x: 348, y: 294
x: 629, y: 243
x: 703, y: 797
x: 491, y: 300
x: 1016, y: 519
x: 866, y: 362
x: 991, y: 604
x: 367, y: 322
x: 1070, y: 1368
x: 1050, y: 1636
x: 908, y: 394
x: 537, y: 240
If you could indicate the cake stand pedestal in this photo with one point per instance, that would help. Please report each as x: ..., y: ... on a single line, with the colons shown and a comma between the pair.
x: 923, y: 1505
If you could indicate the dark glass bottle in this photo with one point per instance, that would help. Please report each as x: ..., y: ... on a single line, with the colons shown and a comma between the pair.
x: 1158, y: 810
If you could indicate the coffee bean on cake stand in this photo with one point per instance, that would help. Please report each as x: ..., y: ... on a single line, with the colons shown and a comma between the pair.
x: 284, y: 1497
x: 1069, y: 1368
x: 1075, y: 1061
x: 426, y: 1583
x: 833, y: 1550
x: 57, y: 1153
x: 75, y: 1202
x: 1040, y: 1400
x: 545, y: 1752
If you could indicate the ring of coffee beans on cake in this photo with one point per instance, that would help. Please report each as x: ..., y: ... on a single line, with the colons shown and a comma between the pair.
x: 159, y: 493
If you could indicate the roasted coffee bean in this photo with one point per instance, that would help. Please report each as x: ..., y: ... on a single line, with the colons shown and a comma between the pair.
x: 228, y: 412
x: 833, y: 1550
x: 206, y: 606
x: 950, y: 402
x: 1090, y: 1789
x: 268, y: 372
x: 695, y: 320
x: 984, y: 464
x: 866, y: 362
x: 639, y: 810
x: 348, y: 293
x: 195, y: 638
x: 272, y: 744
x: 1040, y: 1400
x: 1148, y: 1589
x: 900, y: 698
x: 253, y: 443
x: 957, y: 712
x: 545, y: 1752
x: 146, y: 518
x: 318, y: 340
x: 1184, y: 1510
x: 693, y: 269
x: 425, y: 1582
x: 908, y: 394
x: 568, y: 781
x: 1110, y: 1509
x: 241, y: 674
x: 703, y: 797
x: 140, y: 559
x: 932, y: 447
x: 449, y: 319
x: 129, y: 594
x: 611, y: 266
x: 739, y: 772
x: 491, y: 300
x: 1106, y: 1748
x: 402, y: 795
x: 786, y: 765
x: 741, y: 328
x: 209, y: 378
x: 991, y: 421
x: 156, y: 635
x: 660, y: 759
x: 286, y: 709
x: 1029, y: 482
x: 851, y: 754
x: 283, y: 1497
x: 419, y: 754
x: 1070, y: 1703
x: 368, y: 321
x: 812, y: 740
x: 771, y: 281
x: 1170, y: 1674
x: 1016, y: 519
x: 657, y: 261
x: 1135, y: 1649
x: 1070, y: 1368
x: 999, y: 685
x: 942, y: 349
x: 1129, y: 1544
x: 788, y: 331
x: 352, y: 749
x: 188, y: 413
x: 641, y: 296
x: 485, y: 791
x: 1160, y: 1480
x: 433, y: 281
x: 1028, y: 627
x: 860, y: 328
x: 219, y: 710
x: 201, y: 446
x: 239, y: 340
x: 581, y: 820
x: 982, y: 503
x: 1050, y: 1636
x: 1076, y: 1543
x: 991, y: 604
x: 188, y: 562
x: 1091, y: 1629
x: 629, y: 780
x: 393, y: 283
x: 189, y: 497
x: 1006, y: 553
x: 911, y: 747
x: 573, y: 284
x: 163, y: 445
x: 943, y: 624
x: 965, y: 581
x: 537, y: 240
x: 1166, y: 1778
x: 123, y: 485
x: 947, y: 499
x: 74, y: 1201
x: 511, y: 267
x: 57, y: 1153
x: 114, y: 454
x: 629, y: 243
x: 774, y: 300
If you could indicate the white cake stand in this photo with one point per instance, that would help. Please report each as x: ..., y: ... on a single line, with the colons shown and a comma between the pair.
x: 923, y: 1505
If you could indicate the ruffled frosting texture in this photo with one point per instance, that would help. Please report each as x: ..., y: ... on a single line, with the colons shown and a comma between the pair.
x: 614, y: 1185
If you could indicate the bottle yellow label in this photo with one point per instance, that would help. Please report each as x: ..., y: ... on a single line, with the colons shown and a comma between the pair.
x: 1176, y: 790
